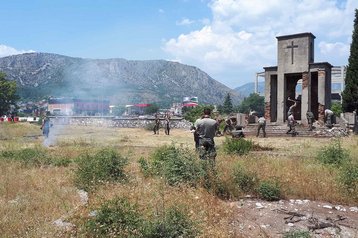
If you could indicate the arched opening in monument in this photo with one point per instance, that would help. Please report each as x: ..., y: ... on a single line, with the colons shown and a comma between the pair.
x: 273, y: 98
x: 290, y: 93
x: 313, y: 98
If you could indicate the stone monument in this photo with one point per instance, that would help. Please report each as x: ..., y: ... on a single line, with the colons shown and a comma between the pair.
x: 295, y: 66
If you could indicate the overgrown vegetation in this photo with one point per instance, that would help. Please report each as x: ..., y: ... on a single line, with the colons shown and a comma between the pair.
x: 269, y: 190
x: 176, y: 165
x: 245, y: 180
x: 179, y: 166
x: 338, y: 157
x: 104, y: 166
x: 37, y: 157
x: 348, y: 177
x: 238, y: 146
x: 333, y: 154
x: 174, y: 223
x: 29, y: 189
x: 337, y: 108
x: 116, y: 218
x: 119, y: 218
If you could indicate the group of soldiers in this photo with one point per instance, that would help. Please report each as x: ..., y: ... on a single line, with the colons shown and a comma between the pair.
x: 291, y: 121
x: 157, y: 124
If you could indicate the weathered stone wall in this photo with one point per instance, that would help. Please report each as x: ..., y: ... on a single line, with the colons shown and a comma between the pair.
x: 112, y: 122
x: 267, y: 111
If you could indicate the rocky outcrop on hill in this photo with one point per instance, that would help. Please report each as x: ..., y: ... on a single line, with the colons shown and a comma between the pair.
x: 118, y: 80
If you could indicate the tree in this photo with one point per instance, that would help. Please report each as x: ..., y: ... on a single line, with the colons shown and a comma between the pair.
x: 153, y: 108
x: 118, y: 110
x: 253, y: 102
x: 8, y: 96
x: 227, y: 107
x: 336, y: 108
x: 191, y: 114
x: 350, y: 93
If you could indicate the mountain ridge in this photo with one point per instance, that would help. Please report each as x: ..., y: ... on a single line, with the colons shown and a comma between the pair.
x: 119, y: 80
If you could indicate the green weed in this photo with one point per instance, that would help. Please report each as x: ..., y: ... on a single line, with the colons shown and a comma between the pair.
x: 237, y: 146
x: 105, y: 166
x: 333, y: 154
x: 269, y: 190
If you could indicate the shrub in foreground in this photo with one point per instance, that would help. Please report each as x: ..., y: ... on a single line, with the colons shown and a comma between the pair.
x: 333, y: 154
x: 348, y: 177
x: 34, y: 157
x: 244, y: 179
x: 175, y: 223
x: 269, y: 190
x: 104, y: 166
x: 116, y: 218
x: 120, y: 218
x: 237, y: 146
x: 176, y: 165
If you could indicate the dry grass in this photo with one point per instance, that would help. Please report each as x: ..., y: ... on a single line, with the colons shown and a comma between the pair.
x: 32, y: 198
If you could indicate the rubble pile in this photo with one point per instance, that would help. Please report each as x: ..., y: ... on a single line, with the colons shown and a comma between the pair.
x: 334, y: 132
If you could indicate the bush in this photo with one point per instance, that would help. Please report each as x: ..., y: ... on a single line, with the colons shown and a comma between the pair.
x: 269, y: 190
x: 176, y: 165
x: 297, y: 234
x: 349, y: 178
x: 145, y: 167
x: 333, y: 154
x: 34, y: 157
x: 116, y: 218
x: 237, y: 146
x: 245, y: 180
x: 105, y: 166
x: 337, y: 108
x: 174, y: 224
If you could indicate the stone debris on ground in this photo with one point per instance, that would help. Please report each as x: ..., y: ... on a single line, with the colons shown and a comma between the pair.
x: 63, y: 225
x: 333, y: 132
x: 258, y: 218
x: 61, y: 222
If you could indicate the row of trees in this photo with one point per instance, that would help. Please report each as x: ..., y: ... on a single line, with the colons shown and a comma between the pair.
x: 8, y: 96
x: 350, y: 93
x: 254, y: 102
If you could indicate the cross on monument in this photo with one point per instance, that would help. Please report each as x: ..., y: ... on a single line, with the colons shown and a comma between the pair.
x: 292, y: 46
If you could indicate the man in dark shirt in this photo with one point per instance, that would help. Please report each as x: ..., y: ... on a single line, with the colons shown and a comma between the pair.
x: 206, y: 129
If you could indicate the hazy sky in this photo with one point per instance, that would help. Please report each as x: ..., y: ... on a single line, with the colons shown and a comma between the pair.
x: 231, y: 40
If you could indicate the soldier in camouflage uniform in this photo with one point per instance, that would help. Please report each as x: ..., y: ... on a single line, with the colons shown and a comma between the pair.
x: 310, y: 120
x: 206, y: 129
x: 156, y: 125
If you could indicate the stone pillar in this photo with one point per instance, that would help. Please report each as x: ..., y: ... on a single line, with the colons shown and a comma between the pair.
x: 321, y: 94
x: 268, y: 111
x: 305, y: 104
x: 281, y: 94
x: 267, y: 97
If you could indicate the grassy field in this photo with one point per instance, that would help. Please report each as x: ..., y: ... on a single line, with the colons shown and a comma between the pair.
x: 37, y: 177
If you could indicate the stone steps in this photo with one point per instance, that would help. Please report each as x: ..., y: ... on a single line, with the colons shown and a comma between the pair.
x: 273, y: 130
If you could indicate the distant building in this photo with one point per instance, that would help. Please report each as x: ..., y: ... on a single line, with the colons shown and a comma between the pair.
x: 136, y: 109
x: 190, y: 102
x: 65, y: 106
x: 60, y: 106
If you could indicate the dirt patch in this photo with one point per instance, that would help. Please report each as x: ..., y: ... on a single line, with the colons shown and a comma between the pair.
x: 257, y: 218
